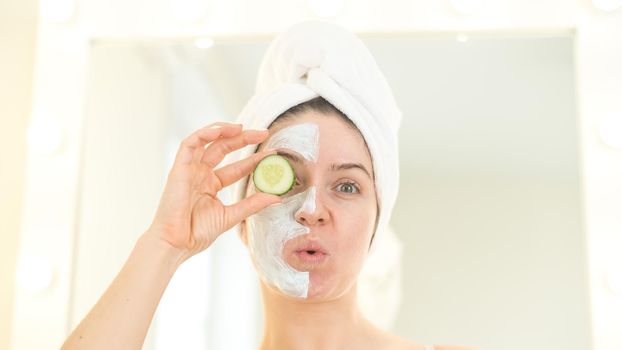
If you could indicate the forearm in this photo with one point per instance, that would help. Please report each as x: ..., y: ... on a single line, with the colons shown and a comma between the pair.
x: 122, y: 316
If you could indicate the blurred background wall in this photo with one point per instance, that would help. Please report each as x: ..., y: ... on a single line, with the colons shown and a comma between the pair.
x: 18, y: 32
x: 53, y: 103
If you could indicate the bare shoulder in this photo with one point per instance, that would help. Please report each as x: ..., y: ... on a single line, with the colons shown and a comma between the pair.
x: 396, y: 342
x: 382, y: 339
x: 392, y: 341
x: 405, y: 344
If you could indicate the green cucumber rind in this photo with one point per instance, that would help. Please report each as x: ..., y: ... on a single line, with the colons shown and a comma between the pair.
x: 267, y: 159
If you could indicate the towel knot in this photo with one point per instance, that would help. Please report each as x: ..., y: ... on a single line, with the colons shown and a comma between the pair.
x: 308, y: 59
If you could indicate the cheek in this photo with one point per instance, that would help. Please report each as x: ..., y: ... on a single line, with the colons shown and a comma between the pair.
x: 354, y: 226
x: 356, y: 217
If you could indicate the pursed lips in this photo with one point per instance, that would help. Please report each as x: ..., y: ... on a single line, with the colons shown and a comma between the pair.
x: 311, y: 252
x: 311, y: 247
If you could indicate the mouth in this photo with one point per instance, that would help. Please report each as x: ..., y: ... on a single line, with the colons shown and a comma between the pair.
x: 310, y: 254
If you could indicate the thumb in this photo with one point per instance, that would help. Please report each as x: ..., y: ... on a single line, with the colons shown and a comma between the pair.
x: 237, y: 212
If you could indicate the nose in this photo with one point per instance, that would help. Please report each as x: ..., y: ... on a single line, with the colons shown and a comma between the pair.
x: 312, y: 211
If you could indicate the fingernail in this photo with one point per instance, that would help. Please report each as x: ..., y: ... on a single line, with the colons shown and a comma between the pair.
x: 215, y: 127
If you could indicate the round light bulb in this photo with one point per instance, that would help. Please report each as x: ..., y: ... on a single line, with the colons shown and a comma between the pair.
x: 610, y: 130
x: 34, y: 274
x: 325, y: 8
x: 56, y: 10
x: 203, y: 43
x: 613, y: 278
x: 607, y: 5
x: 44, y: 136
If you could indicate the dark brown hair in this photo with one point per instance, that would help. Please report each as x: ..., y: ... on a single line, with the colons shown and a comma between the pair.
x: 318, y: 104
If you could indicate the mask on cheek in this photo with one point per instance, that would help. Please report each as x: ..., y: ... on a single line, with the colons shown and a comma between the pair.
x: 272, y: 227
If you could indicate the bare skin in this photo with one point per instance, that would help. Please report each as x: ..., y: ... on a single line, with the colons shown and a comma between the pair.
x: 189, y: 219
x: 343, y: 221
x: 336, y: 324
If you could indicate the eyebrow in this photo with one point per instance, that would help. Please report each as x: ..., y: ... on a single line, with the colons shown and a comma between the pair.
x: 334, y: 166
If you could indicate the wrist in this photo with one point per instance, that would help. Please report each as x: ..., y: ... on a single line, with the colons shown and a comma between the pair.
x: 159, y: 248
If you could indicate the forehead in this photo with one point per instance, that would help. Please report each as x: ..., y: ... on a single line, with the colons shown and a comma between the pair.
x: 337, y: 139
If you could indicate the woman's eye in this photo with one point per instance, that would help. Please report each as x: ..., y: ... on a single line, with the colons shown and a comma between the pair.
x: 348, y: 187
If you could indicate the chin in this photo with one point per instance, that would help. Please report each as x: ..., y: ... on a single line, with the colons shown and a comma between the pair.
x: 315, y: 293
x: 321, y: 288
x: 326, y: 281
x: 324, y: 286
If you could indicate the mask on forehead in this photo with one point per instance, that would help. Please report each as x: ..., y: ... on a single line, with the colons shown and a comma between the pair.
x: 272, y: 227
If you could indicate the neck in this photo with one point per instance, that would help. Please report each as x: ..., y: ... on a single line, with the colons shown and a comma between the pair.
x: 302, y: 324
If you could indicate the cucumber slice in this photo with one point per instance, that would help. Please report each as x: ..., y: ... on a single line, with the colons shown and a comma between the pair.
x: 274, y: 175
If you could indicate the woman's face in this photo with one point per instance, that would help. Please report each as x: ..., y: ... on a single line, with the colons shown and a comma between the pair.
x: 314, y: 244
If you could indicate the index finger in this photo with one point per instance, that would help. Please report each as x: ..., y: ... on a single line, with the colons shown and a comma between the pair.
x: 202, y: 137
x: 231, y: 173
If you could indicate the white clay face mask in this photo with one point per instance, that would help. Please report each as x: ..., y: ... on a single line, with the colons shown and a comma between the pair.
x: 271, y: 228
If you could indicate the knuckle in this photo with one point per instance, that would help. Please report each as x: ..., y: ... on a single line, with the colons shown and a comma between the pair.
x: 186, y: 142
x: 221, y: 151
x: 225, y: 148
x: 238, y: 172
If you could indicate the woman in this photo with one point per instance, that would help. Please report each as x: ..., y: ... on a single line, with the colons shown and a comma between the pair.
x: 308, y: 245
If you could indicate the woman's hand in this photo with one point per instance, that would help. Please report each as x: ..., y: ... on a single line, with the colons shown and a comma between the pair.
x: 190, y: 216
